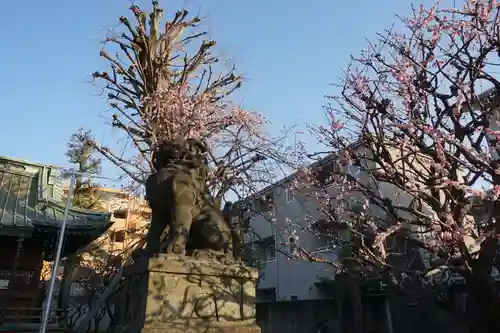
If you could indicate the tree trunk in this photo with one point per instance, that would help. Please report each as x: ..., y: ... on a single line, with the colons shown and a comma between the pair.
x: 348, y: 289
x: 354, y: 292
x: 339, y: 294
x: 482, y: 289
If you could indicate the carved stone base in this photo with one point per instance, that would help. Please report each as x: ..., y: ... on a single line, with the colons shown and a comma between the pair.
x: 177, y: 294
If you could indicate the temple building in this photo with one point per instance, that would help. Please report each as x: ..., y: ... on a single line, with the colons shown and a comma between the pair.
x: 31, y: 212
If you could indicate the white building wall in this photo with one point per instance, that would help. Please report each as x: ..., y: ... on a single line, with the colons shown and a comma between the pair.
x: 299, y: 278
x: 292, y: 279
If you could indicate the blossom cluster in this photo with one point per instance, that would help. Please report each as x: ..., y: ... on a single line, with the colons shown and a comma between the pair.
x: 175, y: 112
x: 411, y: 114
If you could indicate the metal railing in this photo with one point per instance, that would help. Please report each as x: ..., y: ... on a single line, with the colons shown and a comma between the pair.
x: 326, y: 248
x: 261, y: 264
x: 30, y: 315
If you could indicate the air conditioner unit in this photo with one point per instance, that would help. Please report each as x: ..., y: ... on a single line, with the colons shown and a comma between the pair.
x: 294, y: 297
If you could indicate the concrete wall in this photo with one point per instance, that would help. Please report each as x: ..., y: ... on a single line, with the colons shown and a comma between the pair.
x: 304, y: 317
x: 298, y: 279
x: 296, y: 317
x: 425, y: 316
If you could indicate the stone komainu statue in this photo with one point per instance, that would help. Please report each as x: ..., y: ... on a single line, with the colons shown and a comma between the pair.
x: 184, y: 219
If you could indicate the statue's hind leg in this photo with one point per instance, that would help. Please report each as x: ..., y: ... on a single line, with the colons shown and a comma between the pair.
x: 210, y: 236
x: 155, y: 234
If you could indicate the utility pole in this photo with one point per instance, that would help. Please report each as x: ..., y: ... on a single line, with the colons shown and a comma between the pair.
x: 57, y: 257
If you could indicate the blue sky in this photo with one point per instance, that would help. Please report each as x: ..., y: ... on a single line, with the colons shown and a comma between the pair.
x: 290, y: 51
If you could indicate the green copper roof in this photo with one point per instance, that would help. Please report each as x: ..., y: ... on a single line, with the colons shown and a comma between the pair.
x: 31, y: 196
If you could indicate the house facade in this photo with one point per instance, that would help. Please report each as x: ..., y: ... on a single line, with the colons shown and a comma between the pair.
x: 130, y: 215
x: 298, y: 294
x: 288, y: 288
x: 303, y: 296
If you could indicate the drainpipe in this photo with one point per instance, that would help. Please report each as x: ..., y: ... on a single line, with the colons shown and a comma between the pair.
x: 339, y: 293
x: 276, y: 255
x: 127, y: 221
x: 388, y: 315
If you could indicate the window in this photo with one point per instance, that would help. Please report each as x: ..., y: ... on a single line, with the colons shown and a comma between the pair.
x: 264, y: 203
x: 270, y: 253
x: 121, y: 195
x: 119, y: 236
x: 330, y: 233
x: 354, y: 170
x: 248, y: 256
x: 357, y: 206
x: 120, y: 214
x: 4, y: 284
x: 132, y: 225
x: 146, y: 215
x: 264, y: 249
x: 292, y: 244
x: 269, y: 198
x: 289, y: 195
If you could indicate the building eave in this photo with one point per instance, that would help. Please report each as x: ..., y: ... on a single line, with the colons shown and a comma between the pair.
x: 483, y: 97
x: 21, y: 161
x: 77, y: 238
x: 329, y: 158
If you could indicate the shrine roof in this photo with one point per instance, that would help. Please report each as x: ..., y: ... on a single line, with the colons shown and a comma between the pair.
x: 31, y: 196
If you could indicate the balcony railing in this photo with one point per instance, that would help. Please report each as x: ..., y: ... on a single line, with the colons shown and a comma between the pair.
x: 267, y: 274
x: 277, y: 273
x: 324, y: 272
x: 16, y: 279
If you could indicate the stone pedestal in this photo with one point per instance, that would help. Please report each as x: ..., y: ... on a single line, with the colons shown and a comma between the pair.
x: 177, y: 294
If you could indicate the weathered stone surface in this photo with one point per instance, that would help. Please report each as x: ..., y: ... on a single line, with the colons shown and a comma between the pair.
x: 169, y: 293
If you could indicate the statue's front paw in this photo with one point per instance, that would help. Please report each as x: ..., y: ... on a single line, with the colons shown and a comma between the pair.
x: 176, y: 249
x: 213, y: 255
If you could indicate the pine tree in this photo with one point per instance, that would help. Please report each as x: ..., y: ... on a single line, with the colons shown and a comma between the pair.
x: 81, y: 154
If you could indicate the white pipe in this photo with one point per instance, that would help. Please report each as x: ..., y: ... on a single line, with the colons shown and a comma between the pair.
x: 388, y: 315
x: 276, y: 254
